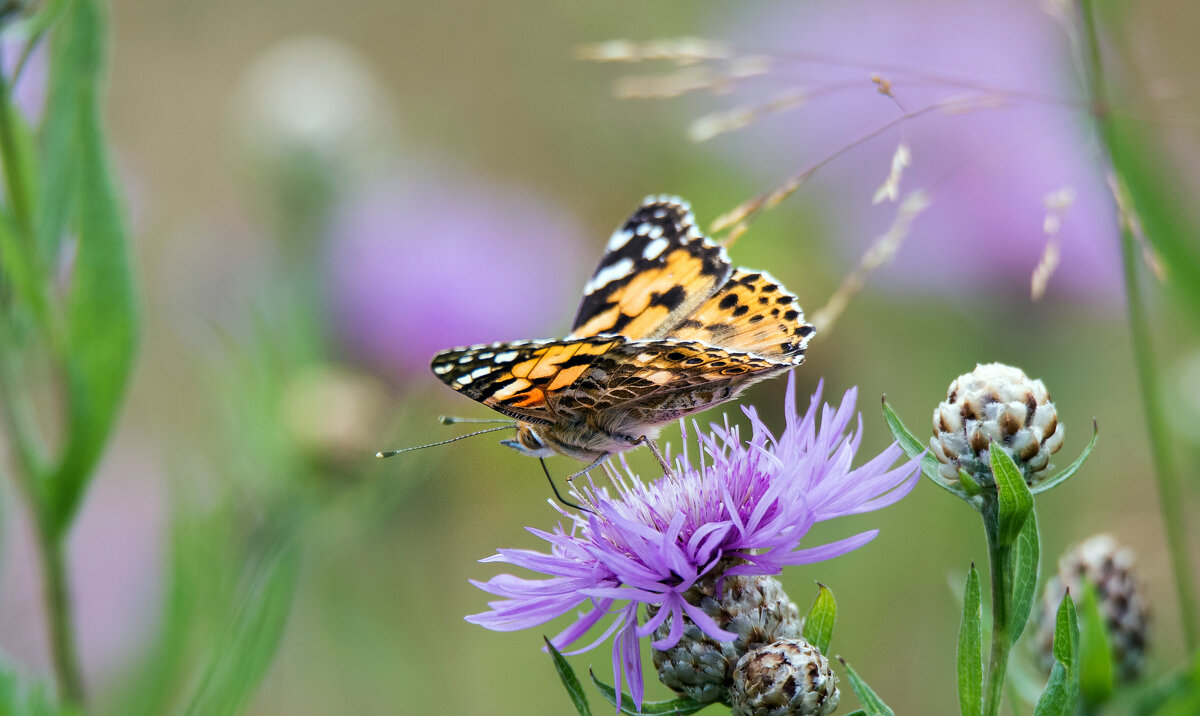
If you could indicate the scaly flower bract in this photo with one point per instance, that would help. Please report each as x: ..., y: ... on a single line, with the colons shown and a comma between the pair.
x: 744, y: 510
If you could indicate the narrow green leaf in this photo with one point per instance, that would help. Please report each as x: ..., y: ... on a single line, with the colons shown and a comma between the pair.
x: 102, y: 306
x: 818, y: 625
x: 1015, y: 500
x: 1071, y: 469
x: 681, y: 706
x: 247, y: 648
x: 871, y: 703
x: 970, y: 649
x: 1062, y: 689
x: 858, y: 712
x: 569, y: 681
x: 72, y: 67
x: 913, y: 447
x: 1095, y: 653
x: 1066, y: 634
x: 21, y: 264
x: 1055, y: 700
x: 1026, y: 567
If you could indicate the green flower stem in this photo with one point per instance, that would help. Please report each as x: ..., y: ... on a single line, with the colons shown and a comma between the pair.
x: 1001, y: 560
x: 57, y: 595
x: 31, y: 472
x: 1170, y: 494
x: 51, y: 542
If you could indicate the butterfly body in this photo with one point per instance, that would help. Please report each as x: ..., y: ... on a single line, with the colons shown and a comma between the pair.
x: 666, y: 328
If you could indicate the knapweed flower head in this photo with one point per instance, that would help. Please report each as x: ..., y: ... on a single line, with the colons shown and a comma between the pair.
x: 995, y: 404
x: 1110, y: 568
x: 744, y: 510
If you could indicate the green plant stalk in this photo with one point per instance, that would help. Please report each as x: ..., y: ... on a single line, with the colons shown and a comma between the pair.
x: 30, y: 471
x: 51, y: 543
x: 1170, y: 496
x: 1001, y: 561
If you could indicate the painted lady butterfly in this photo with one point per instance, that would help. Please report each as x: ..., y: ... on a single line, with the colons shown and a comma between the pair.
x: 667, y: 327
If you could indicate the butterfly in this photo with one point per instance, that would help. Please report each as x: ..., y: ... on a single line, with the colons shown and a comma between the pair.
x: 667, y: 327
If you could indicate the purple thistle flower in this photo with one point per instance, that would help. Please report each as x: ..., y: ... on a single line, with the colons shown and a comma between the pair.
x: 743, y: 511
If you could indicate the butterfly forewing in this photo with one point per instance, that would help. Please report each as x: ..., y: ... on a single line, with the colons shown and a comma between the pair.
x: 656, y: 270
x: 522, y: 379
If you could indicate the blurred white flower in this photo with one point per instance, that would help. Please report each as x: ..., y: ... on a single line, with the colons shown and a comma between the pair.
x: 314, y: 95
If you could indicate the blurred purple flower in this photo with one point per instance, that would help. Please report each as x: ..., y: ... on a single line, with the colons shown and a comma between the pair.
x: 989, y: 169
x: 744, y: 512
x: 430, y: 260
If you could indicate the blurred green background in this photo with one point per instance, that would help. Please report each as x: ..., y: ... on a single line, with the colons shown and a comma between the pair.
x: 323, y: 194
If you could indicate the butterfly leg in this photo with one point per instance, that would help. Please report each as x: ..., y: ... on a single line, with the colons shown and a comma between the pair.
x: 657, y: 453
x: 595, y: 464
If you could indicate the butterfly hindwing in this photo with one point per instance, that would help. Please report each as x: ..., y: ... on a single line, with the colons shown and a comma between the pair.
x: 754, y: 313
x: 656, y: 270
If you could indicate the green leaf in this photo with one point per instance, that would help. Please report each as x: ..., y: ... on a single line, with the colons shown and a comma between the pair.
x: 1095, y: 653
x: 871, y: 703
x: 1015, y: 500
x: 970, y: 649
x: 680, y: 706
x: 102, y: 311
x: 26, y: 697
x: 1066, y: 634
x: 243, y: 653
x: 73, y: 65
x: 21, y: 264
x: 1026, y: 566
x: 1062, y: 689
x: 1055, y: 700
x: 913, y: 447
x: 858, y: 712
x: 818, y: 625
x: 569, y: 681
x: 1071, y: 469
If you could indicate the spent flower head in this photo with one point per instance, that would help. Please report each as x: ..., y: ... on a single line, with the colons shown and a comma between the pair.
x: 744, y: 510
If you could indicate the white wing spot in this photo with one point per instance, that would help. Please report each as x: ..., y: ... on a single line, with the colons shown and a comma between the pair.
x: 463, y: 379
x: 506, y: 357
x: 655, y: 248
x: 480, y: 372
x: 619, y: 238
x: 465, y: 359
x: 443, y: 369
x: 655, y: 231
x: 608, y: 274
x: 643, y: 229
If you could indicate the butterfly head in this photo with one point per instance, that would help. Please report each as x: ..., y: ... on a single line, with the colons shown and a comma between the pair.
x: 529, y: 442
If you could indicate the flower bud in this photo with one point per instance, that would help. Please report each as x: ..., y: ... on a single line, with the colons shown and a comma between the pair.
x: 755, y: 608
x: 1109, y: 568
x: 999, y: 405
x: 787, y: 677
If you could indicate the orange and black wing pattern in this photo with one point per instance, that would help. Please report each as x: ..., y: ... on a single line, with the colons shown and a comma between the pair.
x: 656, y: 270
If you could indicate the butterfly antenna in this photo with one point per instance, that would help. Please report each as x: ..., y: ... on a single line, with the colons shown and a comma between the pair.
x: 557, y: 495
x: 390, y: 453
x: 452, y: 420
